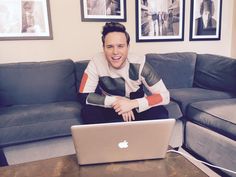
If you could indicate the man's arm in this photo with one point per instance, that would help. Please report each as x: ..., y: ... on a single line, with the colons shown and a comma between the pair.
x: 88, y: 86
x: 159, y: 93
x: 124, y: 107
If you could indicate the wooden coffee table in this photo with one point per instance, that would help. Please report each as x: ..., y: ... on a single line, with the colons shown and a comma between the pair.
x: 66, y: 166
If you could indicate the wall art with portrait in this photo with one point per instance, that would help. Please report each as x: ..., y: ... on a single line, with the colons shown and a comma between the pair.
x: 103, y: 10
x: 25, y: 20
x: 159, y: 20
x: 205, y: 20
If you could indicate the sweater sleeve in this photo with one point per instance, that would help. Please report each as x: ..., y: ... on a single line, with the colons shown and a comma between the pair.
x: 88, y: 86
x: 159, y: 93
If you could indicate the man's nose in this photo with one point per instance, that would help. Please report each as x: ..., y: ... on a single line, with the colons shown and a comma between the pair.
x: 115, y: 50
x: 207, y: 13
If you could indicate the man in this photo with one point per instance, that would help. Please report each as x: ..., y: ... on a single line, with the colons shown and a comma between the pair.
x: 111, y: 87
x: 31, y: 20
x: 206, y: 24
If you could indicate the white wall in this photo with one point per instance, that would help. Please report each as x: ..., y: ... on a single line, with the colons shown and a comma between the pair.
x: 80, y: 40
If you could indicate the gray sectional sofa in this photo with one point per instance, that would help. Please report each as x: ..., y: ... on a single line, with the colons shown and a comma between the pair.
x: 38, y: 102
x: 204, y: 87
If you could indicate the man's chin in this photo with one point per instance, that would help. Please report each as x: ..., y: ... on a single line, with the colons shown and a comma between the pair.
x: 116, y: 66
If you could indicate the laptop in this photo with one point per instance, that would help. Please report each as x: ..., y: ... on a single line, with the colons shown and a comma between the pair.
x: 122, y: 141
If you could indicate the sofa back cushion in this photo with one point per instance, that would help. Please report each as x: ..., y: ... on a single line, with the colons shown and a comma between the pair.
x: 176, y: 69
x: 215, y: 72
x: 37, y: 82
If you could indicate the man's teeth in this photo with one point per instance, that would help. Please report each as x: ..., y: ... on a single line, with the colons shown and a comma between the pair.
x: 115, y: 58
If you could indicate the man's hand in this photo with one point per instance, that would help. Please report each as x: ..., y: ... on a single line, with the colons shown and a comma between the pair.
x: 124, y: 105
x: 128, y: 116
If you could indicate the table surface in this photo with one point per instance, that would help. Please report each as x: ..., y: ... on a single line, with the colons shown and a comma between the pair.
x: 174, y: 165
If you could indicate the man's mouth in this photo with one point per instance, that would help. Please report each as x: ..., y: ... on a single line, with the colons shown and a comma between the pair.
x: 116, y: 58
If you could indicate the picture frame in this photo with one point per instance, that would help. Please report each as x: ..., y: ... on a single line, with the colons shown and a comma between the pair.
x: 25, y: 20
x: 159, y: 20
x: 103, y: 10
x: 205, y: 20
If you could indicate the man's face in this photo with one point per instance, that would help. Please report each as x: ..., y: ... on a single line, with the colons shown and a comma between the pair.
x: 206, y: 11
x: 206, y: 14
x: 116, y: 49
x: 28, y: 7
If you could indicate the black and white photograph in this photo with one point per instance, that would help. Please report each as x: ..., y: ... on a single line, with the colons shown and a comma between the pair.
x: 205, y: 19
x: 103, y: 10
x: 25, y: 19
x: 159, y: 20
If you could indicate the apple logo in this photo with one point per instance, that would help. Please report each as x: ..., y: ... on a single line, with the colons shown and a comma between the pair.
x: 123, y: 144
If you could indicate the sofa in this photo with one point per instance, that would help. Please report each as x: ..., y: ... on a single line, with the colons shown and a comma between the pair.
x: 204, y: 87
x: 39, y: 103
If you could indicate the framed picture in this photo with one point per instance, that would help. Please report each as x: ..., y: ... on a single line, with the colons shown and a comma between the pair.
x: 205, y: 20
x: 25, y: 20
x: 159, y: 20
x: 103, y: 10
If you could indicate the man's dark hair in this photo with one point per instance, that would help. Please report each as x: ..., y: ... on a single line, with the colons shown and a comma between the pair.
x: 114, y: 27
x: 210, y: 6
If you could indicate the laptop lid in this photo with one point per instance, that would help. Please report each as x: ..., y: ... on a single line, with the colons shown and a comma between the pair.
x: 123, y: 141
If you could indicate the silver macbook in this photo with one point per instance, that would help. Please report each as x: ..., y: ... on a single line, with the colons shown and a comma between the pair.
x: 123, y: 141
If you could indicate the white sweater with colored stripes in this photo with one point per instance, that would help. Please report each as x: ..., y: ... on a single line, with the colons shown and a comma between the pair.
x: 121, y: 82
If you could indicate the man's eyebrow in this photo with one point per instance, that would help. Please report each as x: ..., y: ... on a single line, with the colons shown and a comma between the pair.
x: 112, y: 45
x: 109, y: 45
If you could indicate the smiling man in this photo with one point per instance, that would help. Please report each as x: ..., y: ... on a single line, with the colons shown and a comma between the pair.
x: 112, y: 85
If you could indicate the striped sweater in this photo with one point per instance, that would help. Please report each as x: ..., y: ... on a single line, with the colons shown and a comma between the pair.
x: 121, y: 82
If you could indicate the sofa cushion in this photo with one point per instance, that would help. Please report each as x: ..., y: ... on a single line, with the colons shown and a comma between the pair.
x: 185, y: 96
x: 218, y: 115
x: 213, y: 147
x: 215, y: 72
x: 37, y: 82
x: 173, y: 110
x: 176, y: 69
x: 22, y: 123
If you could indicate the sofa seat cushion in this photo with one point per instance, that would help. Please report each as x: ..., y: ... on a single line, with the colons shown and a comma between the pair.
x: 185, y: 96
x: 218, y: 115
x: 173, y: 110
x: 26, y: 123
